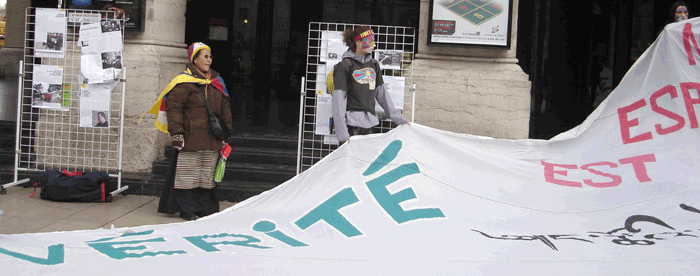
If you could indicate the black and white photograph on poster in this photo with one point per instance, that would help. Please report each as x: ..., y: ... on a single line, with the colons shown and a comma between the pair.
x: 46, y: 95
x: 388, y: 59
x: 470, y: 22
x: 100, y: 118
x: 47, y: 87
x: 50, y: 33
x: 101, y: 68
x: 54, y: 42
x: 112, y: 60
x: 110, y: 26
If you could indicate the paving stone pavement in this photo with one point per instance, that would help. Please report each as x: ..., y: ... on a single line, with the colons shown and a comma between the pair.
x: 22, y: 214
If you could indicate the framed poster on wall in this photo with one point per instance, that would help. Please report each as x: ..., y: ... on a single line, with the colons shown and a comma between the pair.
x: 485, y: 23
x: 132, y: 11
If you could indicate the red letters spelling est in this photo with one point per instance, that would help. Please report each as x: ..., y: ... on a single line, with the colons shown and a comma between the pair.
x: 637, y: 162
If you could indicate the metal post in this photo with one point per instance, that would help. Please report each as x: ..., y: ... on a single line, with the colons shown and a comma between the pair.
x: 301, y: 122
x: 121, y: 136
x: 413, y: 103
x: 19, y: 116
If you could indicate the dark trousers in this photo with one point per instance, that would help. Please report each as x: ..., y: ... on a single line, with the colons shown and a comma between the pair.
x: 353, y: 130
x: 202, y: 202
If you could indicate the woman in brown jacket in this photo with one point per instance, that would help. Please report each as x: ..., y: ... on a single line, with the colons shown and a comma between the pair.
x: 192, y: 188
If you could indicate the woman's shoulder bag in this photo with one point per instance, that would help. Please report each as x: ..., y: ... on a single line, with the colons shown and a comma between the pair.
x: 216, y: 124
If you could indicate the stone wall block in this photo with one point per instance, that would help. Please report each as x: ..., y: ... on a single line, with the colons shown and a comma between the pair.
x: 141, y: 149
x: 151, y: 69
x: 480, y: 98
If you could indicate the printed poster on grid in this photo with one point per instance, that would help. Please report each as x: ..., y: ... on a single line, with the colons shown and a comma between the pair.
x: 94, y: 104
x: 101, y: 46
x: 50, y: 33
x: 470, y: 22
x: 48, y: 89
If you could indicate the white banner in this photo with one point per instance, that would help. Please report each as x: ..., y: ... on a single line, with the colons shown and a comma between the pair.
x: 617, y: 195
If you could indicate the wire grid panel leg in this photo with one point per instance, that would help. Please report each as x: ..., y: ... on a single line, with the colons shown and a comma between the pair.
x: 395, y: 49
x: 52, y: 138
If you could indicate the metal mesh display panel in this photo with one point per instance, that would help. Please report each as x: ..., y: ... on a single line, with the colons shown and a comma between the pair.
x: 52, y: 139
x: 389, y: 39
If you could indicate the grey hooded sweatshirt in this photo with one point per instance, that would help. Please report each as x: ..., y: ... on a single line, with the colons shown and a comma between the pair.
x: 363, y: 83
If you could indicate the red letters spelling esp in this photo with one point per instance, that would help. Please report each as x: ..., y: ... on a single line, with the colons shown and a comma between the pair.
x: 626, y: 123
x: 637, y: 162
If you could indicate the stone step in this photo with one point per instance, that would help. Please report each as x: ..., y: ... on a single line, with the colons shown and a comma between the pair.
x: 7, y: 143
x: 233, y: 191
x: 7, y: 138
x: 7, y: 156
x: 236, y: 171
x: 8, y: 127
x: 263, y: 156
x: 264, y: 141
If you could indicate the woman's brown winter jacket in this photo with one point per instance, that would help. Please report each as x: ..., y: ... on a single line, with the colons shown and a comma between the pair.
x: 188, y: 115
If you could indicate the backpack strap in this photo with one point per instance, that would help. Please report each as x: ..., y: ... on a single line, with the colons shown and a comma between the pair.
x: 34, y: 193
x: 376, y: 63
x: 72, y: 173
x: 346, y: 60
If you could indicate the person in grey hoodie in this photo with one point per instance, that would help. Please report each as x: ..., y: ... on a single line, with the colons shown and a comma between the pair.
x: 358, y: 86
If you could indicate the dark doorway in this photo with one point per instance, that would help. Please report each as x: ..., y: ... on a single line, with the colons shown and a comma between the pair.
x: 262, y: 57
x: 577, y: 52
x: 555, y: 50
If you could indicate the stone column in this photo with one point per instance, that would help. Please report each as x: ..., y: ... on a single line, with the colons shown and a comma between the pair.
x: 471, y: 90
x: 152, y: 58
x: 10, y: 55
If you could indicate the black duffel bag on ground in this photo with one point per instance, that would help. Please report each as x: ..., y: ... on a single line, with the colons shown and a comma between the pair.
x: 74, y: 187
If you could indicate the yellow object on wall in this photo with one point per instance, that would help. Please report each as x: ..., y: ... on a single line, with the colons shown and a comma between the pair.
x: 2, y: 34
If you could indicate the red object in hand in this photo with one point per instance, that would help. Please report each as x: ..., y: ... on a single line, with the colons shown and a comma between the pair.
x: 225, y: 151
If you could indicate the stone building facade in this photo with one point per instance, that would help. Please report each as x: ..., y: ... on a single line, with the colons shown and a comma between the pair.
x: 461, y: 89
